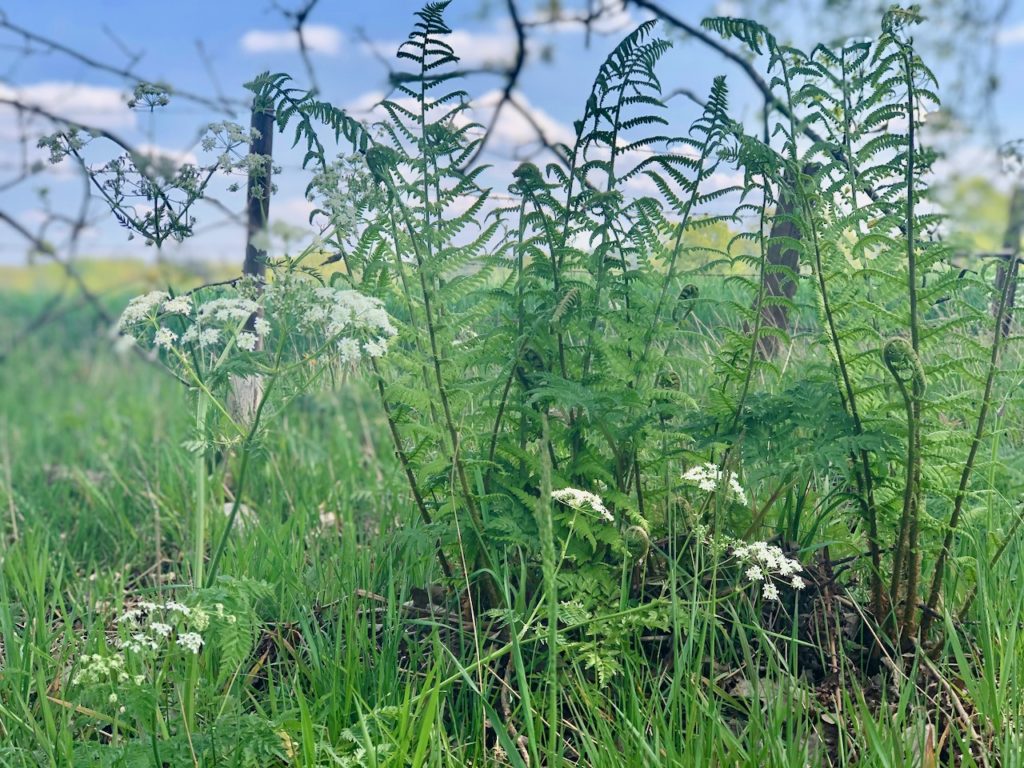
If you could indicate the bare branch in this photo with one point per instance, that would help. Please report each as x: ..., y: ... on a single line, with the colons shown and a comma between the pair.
x: 512, y: 79
x: 125, y: 73
x: 299, y: 17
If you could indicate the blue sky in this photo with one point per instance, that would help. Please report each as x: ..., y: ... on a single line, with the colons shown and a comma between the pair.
x: 243, y: 38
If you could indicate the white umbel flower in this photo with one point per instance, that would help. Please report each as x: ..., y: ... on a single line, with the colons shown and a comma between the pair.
x: 208, y: 337
x: 179, y: 305
x: 709, y: 478
x: 190, y: 641
x: 246, y: 341
x: 141, y: 307
x: 227, y: 309
x: 768, y: 563
x: 165, y: 338
x: 577, y: 499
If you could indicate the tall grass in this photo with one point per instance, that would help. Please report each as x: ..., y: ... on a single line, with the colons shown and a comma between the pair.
x: 342, y: 671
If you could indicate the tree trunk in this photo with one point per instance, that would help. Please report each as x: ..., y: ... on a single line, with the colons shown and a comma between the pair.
x: 1008, y: 269
x: 782, y: 268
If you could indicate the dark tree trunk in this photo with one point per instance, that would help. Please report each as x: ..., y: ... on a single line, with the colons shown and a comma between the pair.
x: 1007, y: 270
x: 258, y: 191
x: 781, y: 271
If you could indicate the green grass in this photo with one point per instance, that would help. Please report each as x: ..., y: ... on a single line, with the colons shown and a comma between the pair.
x: 337, y: 669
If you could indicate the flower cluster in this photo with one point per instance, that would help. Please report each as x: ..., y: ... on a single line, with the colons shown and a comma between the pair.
x: 141, y: 308
x: 230, y: 142
x: 577, y: 499
x: 347, y: 322
x: 94, y: 669
x: 338, y: 323
x: 341, y: 190
x: 179, y: 322
x: 148, y: 627
x: 767, y: 563
x: 709, y: 477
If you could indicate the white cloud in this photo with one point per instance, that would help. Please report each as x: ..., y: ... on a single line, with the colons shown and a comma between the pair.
x: 495, y: 49
x: 95, y: 105
x: 157, y: 153
x: 483, y: 49
x: 727, y: 8
x: 515, y: 130
x: 963, y: 159
x: 513, y: 134
x: 319, y: 38
x: 1011, y: 35
x: 366, y: 105
x: 293, y: 211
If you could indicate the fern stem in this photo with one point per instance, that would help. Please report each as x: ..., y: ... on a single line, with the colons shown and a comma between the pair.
x: 847, y: 394
x: 407, y: 293
x: 491, y: 588
x: 913, y: 555
x: 758, y: 317
x: 865, y: 480
x: 520, y: 330
x: 902, y: 544
x: 549, y: 568
x: 965, y: 476
x: 403, y: 459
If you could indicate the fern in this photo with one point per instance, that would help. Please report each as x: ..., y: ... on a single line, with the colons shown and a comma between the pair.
x: 573, y: 310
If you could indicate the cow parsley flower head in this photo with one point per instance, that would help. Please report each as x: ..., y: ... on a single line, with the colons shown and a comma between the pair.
x: 227, y: 309
x: 209, y: 337
x: 191, y: 641
x: 94, y: 668
x: 179, y: 305
x: 349, y: 324
x: 165, y: 338
x: 141, y: 308
x: 709, y: 478
x: 150, y: 629
x: 348, y: 351
x: 246, y: 341
x: 768, y: 563
x: 577, y: 499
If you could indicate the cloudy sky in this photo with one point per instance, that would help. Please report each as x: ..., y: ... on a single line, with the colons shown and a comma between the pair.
x: 211, y: 48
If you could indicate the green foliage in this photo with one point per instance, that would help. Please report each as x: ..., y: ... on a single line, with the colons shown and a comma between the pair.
x: 567, y: 306
x: 587, y: 426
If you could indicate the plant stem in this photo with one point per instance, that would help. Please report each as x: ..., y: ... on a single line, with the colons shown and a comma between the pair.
x: 550, y: 586
x: 758, y: 314
x: 403, y: 459
x: 199, y: 498
x: 917, y: 385
x: 965, y: 476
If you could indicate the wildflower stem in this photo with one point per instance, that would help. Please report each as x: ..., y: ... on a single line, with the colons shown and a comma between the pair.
x: 246, y: 452
x: 549, y: 570
x: 199, y: 510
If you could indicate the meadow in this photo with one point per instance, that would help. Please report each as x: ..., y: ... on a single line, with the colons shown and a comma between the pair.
x: 592, y: 477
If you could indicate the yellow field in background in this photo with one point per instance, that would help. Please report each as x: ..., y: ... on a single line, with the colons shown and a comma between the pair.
x: 104, y: 276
